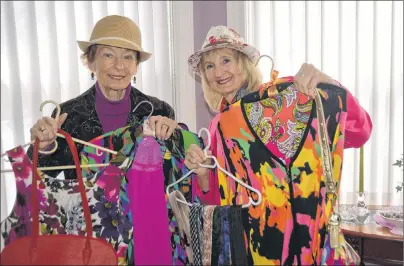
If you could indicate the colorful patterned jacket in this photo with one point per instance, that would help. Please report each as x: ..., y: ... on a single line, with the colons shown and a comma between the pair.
x: 271, y: 143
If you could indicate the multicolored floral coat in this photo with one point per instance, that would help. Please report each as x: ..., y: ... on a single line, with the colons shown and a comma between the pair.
x: 269, y: 140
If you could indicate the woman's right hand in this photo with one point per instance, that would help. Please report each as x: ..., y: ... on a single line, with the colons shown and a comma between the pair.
x: 45, y: 130
x: 195, y: 156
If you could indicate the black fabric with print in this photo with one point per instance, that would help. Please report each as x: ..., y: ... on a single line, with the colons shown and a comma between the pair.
x: 237, y: 246
x: 216, y: 235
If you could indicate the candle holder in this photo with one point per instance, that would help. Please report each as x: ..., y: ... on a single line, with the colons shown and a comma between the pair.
x: 362, y: 212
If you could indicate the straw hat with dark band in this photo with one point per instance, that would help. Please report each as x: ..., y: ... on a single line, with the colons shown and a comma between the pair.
x: 117, y: 31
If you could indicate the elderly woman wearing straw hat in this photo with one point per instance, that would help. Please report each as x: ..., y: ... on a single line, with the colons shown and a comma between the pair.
x: 113, y: 55
x: 227, y: 66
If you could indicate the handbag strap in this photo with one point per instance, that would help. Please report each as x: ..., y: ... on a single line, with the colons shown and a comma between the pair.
x: 36, y: 178
x: 334, y: 219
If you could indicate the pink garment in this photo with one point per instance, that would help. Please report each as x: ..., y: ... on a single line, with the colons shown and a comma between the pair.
x: 152, y: 238
x: 358, y: 128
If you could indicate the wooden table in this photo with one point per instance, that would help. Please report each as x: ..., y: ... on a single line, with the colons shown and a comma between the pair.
x: 374, y: 243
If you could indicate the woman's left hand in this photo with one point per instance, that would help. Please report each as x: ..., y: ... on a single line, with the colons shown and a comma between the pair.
x: 163, y: 126
x: 308, y: 77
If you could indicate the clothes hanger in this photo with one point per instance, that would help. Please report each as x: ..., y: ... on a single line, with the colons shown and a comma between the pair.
x: 190, y: 172
x: 216, y: 164
x: 56, y: 145
x: 147, y: 131
x: 146, y: 128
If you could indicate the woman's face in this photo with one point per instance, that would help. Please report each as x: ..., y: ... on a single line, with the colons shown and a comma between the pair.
x: 114, y: 67
x: 222, y: 72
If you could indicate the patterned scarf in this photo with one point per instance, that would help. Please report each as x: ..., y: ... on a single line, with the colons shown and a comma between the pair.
x: 195, y: 217
x: 207, y: 234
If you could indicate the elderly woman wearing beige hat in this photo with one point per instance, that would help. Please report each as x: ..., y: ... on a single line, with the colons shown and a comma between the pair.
x: 227, y: 66
x: 113, y: 55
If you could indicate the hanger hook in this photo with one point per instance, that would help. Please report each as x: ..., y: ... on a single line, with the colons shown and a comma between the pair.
x: 145, y: 101
x: 209, y: 140
x: 58, y: 110
x: 272, y: 61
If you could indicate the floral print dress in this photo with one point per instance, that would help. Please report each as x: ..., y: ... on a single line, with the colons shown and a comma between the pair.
x: 60, y: 205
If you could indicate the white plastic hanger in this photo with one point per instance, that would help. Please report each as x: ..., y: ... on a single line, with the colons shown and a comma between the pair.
x: 216, y: 164
x: 98, y: 148
x: 56, y: 146
x: 146, y: 129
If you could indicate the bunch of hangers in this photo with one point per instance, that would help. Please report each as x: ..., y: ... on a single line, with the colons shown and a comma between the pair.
x: 148, y: 132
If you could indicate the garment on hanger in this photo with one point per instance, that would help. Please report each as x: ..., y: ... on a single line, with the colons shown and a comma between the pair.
x: 195, y: 222
x: 147, y: 200
x: 181, y: 214
x: 217, y: 236
x: 60, y: 206
x: 127, y: 140
x: 237, y: 242
x: 213, y: 241
x: 270, y: 140
x: 207, y: 234
x: 225, y: 251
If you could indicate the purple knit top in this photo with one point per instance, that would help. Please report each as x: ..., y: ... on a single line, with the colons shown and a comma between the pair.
x: 112, y: 114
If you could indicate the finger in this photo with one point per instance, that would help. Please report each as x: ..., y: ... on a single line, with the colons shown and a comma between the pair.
x: 61, y: 120
x: 158, y: 128
x: 153, y: 120
x: 51, y: 133
x: 164, y: 131
x: 198, y: 156
x: 312, y: 74
x: 296, y: 84
x: 37, y: 133
x: 312, y: 85
x: 46, y: 131
x: 52, y: 122
x: 189, y: 164
x: 170, y: 131
x: 308, y: 75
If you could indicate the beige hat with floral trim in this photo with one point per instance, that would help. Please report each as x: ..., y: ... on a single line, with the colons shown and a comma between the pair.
x: 222, y: 37
x: 117, y: 31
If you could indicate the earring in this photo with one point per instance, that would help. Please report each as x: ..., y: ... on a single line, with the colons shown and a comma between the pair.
x: 134, y: 79
x: 92, y: 75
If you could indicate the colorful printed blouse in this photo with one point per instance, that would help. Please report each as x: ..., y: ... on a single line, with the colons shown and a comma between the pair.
x: 127, y: 140
x: 269, y: 140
